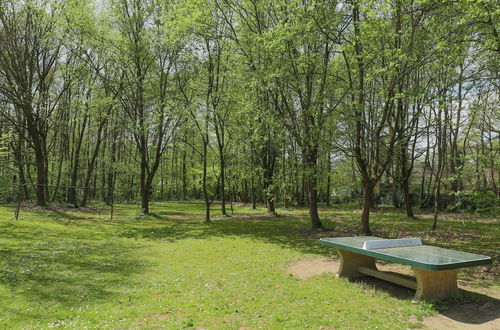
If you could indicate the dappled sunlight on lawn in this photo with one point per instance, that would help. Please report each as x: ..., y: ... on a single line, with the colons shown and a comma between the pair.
x: 77, y: 268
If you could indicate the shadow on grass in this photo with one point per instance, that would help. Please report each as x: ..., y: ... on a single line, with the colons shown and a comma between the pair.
x: 290, y: 232
x: 64, y: 271
x: 472, y: 308
x: 59, y: 211
x: 394, y: 290
x: 283, y: 231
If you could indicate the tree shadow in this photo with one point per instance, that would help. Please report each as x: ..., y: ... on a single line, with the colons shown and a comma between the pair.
x: 394, y: 290
x: 290, y: 232
x: 283, y: 231
x: 56, y: 213
x: 65, y: 271
x: 469, y: 307
x: 472, y: 308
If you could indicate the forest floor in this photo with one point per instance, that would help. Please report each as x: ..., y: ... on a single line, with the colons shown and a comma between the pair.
x: 63, y: 267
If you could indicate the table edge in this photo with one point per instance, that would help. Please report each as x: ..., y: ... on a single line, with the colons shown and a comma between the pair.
x: 485, y: 261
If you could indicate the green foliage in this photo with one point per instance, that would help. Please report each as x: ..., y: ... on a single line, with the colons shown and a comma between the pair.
x: 273, y: 89
x: 344, y: 188
x: 481, y: 201
x: 6, y: 172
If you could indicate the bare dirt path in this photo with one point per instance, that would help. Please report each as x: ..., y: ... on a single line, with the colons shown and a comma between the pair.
x: 481, y: 315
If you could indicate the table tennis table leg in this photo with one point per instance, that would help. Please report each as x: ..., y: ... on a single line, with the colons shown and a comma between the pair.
x: 435, y: 284
x: 350, y: 262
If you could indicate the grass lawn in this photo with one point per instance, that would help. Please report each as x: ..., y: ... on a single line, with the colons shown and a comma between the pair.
x: 76, y: 269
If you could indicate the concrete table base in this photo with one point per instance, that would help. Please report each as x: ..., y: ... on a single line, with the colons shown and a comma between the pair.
x: 435, y: 284
x: 429, y: 285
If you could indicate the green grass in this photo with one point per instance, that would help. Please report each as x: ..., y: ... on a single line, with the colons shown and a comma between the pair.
x: 77, y: 269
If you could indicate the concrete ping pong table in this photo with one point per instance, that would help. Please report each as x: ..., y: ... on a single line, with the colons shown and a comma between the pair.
x: 435, y: 268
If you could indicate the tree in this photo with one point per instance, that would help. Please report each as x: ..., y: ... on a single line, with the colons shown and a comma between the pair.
x: 305, y: 96
x: 29, y: 60
x: 146, y: 98
x: 388, y: 46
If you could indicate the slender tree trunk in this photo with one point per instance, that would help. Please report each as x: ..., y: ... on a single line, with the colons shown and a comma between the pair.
x: 269, y: 191
x: 18, y: 157
x: 312, y: 169
x: 313, y: 205
x: 46, y: 167
x: 252, y: 193
x: 271, y: 207
x: 232, y: 196
x: 301, y: 188
x: 285, y: 180
x: 455, y: 158
x: 407, y: 198
x: 405, y: 182
x: 111, y: 172
x: 76, y: 164
x: 441, y: 142
x: 41, y: 179
x: 368, y: 188
x: 184, y: 173
x: 328, y: 180
x: 431, y: 177
x: 426, y: 164
x: 222, y: 185
x: 162, y: 182
x: 205, y: 189
x: 40, y: 182
x: 396, y: 187
x: 58, y: 178
x: 92, y: 162
x: 437, y: 194
x: 144, y: 186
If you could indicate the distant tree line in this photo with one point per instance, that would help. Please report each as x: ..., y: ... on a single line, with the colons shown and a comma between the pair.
x: 283, y: 102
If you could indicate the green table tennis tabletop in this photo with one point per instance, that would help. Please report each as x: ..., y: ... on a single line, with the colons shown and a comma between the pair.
x: 423, y: 256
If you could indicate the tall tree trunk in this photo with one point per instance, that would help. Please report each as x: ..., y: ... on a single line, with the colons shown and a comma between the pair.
x: 269, y: 191
x: 301, y: 188
x: 184, y: 172
x: 222, y: 185
x: 92, y: 162
x: 405, y: 182
x: 58, y: 177
x: 328, y: 180
x: 204, y: 181
x: 41, y: 179
x: 271, y: 209
x: 111, y: 172
x: 285, y: 180
x: 252, y: 193
x: 368, y: 188
x: 437, y: 196
x: 76, y: 164
x: 426, y: 164
x: 407, y: 197
x: 441, y: 143
x: 144, y: 186
x: 312, y: 185
x: 17, y: 148
x: 455, y: 158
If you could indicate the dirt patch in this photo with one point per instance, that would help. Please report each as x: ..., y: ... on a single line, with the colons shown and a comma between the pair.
x: 306, y: 268
x: 484, y: 315
x: 259, y: 216
x: 62, y: 208
x: 461, y: 217
x: 481, y: 315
